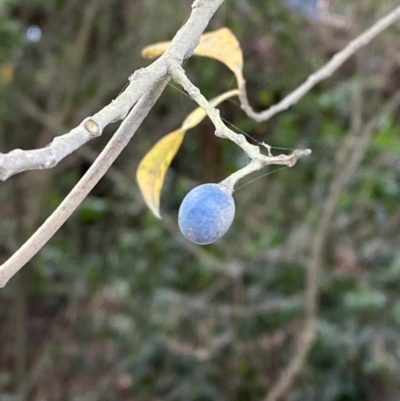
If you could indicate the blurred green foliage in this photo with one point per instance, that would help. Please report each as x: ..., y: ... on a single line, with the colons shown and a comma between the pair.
x: 119, y: 305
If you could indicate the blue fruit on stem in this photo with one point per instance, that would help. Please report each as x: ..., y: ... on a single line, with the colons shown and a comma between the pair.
x: 206, y: 213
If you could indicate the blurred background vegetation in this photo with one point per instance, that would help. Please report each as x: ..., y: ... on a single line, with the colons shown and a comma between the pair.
x: 118, y: 306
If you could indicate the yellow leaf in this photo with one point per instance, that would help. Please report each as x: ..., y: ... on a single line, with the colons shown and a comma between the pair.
x: 224, y: 47
x: 153, y: 167
x: 221, y: 44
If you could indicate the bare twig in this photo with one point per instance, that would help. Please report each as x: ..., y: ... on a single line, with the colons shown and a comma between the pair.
x: 84, y: 186
x: 182, y: 46
x: 315, y: 262
x: 146, y: 85
x: 19, y: 160
x: 256, y: 164
x: 269, y: 306
x: 200, y: 354
x: 325, y: 72
x: 228, y: 268
x: 306, y: 339
x: 349, y: 156
x: 258, y: 160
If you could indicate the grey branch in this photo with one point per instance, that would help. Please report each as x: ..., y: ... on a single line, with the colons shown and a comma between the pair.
x: 348, y: 157
x: 258, y: 160
x: 146, y: 85
x: 323, y: 73
x: 20, y: 160
x: 182, y: 47
x: 134, y: 104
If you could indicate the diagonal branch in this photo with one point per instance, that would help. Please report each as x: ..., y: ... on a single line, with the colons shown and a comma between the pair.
x: 323, y: 73
x: 258, y: 160
x: 146, y: 85
x: 120, y: 139
x: 353, y: 148
x: 182, y: 47
x: 19, y: 160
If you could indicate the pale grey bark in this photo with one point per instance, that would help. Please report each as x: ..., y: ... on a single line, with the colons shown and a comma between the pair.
x: 143, y: 80
x: 136, y: 101
x: 146, y: 85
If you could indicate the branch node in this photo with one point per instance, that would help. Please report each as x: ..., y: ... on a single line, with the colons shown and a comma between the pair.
x: 92, y: 127
x: 240, y: 139
x: 193, y: 91
x: 138, y: 74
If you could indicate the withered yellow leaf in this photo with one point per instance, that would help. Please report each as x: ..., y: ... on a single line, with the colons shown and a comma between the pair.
x: 221, y: 45
x: 154, y: 165
x: 224, y: 47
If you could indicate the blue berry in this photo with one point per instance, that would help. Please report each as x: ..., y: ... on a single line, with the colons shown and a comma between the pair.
x: 206, y: 214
